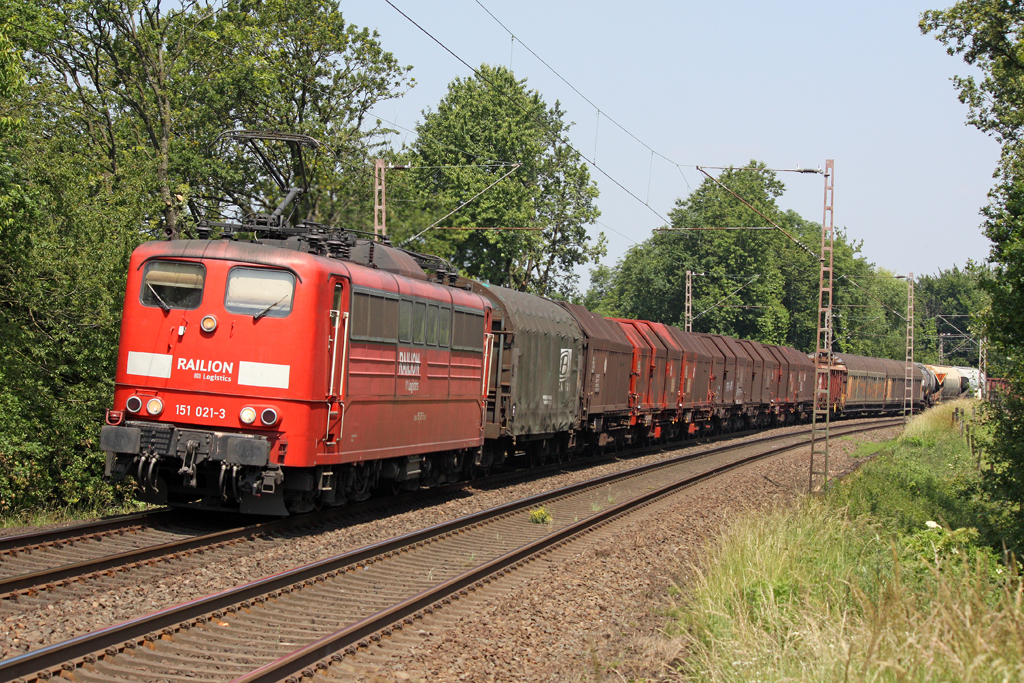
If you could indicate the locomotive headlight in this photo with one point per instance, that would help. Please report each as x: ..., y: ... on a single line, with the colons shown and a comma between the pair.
x: 248, y: 415
x: 268, y: 416
x: 154, y: 406
x: 208, y: 323
x: 133, y: 404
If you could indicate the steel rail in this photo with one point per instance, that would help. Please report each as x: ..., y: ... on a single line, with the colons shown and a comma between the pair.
x: 437, y: 596
x: 49, y: 660
x: 35, y: 539
x: 46, y: 577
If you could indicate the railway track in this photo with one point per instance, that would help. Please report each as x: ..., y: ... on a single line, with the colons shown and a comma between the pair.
x: 33, y: 563
x: 302, y: 620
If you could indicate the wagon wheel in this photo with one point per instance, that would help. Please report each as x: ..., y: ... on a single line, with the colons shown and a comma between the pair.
x: 536, y: 456
x: 474, y: 472
x: 392, y: 487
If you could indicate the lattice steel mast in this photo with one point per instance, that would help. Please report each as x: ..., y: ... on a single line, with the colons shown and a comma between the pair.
x: 908, y: 375
x: 688, y: 316
x: 823, y: 352
x: 380, y: 215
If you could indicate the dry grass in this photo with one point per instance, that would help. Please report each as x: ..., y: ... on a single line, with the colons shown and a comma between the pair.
x: 810, y: 595
x: 817, y: 594
x: 937, y: 422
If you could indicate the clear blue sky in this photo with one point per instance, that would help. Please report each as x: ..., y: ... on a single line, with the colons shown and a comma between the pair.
x: 720, y: 83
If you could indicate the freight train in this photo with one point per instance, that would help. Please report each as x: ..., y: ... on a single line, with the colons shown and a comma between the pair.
x: 278, y: 368
x: 285, y: 375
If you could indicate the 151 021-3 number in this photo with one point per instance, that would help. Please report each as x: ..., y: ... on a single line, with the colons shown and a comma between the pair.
x: 199, y: 411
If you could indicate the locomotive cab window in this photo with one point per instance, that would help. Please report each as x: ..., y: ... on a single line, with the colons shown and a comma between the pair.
x: 173, y: 284
x: 259, y: 292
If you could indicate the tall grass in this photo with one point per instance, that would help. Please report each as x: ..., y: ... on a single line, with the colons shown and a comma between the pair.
x: 813, y: 595
x: 44, y: 516
x: 928, y: 473
x: 863, y: 584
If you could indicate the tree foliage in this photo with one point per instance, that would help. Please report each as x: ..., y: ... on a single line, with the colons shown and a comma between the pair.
x: 485, y: 127
x: 989, y: 35
x: 753, y: 284
x: 108, y: 109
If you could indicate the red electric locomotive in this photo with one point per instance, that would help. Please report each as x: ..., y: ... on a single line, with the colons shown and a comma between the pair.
x: 269, y: 379
x: 299, y: 368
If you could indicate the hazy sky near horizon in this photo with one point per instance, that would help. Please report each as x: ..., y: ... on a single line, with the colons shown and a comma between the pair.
x: 716, y: 84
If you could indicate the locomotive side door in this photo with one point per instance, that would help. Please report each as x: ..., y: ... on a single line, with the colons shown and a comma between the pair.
x: 337, y: 360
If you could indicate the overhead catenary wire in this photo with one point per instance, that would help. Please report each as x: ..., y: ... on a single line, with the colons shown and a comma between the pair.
x: 735, y: 291
x: 503, y: 163
x: 601, y: 112
x: 560, y: 138
x: 459, y: 207
x: 752, y: 208
x: 872, y: 296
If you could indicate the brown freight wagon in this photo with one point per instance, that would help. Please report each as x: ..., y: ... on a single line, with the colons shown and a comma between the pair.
x: 639, y: 388
x: 695, y: 383
x: 607, y: 369
x: 656, y: 333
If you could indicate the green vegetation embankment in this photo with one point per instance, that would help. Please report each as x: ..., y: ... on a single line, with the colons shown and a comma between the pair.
x: 894, y: 575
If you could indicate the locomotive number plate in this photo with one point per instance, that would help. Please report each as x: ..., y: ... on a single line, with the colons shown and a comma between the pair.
x: 200, y: 411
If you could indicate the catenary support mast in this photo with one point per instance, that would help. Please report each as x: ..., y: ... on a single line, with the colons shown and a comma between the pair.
x: 822, y: 407
x: 908, y: 380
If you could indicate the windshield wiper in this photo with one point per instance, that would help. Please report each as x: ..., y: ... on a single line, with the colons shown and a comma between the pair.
x: 163, y: 304
x: 267, y: 309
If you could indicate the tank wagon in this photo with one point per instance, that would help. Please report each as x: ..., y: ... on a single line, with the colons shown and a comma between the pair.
x: 953, y: 382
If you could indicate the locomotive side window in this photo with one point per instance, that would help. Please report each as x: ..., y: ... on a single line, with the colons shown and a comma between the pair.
x: 432, y: 324
x: 405, y: 321
x: 468, y: 331
x: 374, y: 317
x: 444, y: 326
x: 359, y: 319
x: 389, y: 317
x: 259, y: 292
x: 173, y: 284
x: 419, y: 315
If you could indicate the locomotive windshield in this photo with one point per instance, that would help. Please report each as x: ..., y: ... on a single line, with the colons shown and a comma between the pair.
x: 173, y: 284
x: 259, y: 292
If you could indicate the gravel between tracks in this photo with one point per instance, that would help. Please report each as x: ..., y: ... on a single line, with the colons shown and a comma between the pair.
x: 597, y: 616
x: 601, y: 608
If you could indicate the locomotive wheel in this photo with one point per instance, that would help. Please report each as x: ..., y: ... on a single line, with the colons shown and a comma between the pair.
x: 360, y: 482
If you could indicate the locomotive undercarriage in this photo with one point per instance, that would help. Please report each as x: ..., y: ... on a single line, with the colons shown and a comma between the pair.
x: 211, y: 470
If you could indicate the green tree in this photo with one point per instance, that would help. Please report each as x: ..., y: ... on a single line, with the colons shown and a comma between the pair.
x: 989, y: 35
x: 753, y: 284
x: 63, y: 257
x: 114, y: 92
x: 486, y: 126
x: 948, y: 300
x: 295, y: 66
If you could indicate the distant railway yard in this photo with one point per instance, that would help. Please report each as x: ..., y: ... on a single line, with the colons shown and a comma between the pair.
x: 391, y: 590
